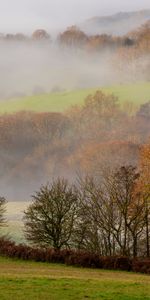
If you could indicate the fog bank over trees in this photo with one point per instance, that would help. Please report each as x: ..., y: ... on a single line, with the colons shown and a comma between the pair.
x: 37, y: 64
x: 37, y: 147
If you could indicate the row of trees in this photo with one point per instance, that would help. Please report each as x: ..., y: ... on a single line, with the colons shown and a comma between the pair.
x: 109, y: 216
x: 37, y: 146
x: 126, y: 54
x: 73, y: 37
x: 37, y: 35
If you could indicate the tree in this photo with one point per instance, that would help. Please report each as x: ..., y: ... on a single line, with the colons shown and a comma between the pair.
x: 100, y: 42
x: 40, y: 34
x: 144, y: 111
x: 50, y: 219
x: 129, y: 205
x: 111, y: 215
x: 73, y: 37
x: 143, y: 188
x: 2, y: 211
x: 88, y: 233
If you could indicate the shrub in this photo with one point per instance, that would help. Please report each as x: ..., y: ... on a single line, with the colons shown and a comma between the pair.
x: 141, y: 265
x: 72, y: 257
x: 84, y: 259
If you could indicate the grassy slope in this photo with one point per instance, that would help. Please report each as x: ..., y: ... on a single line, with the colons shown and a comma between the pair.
x: 136, y: 93
x: 21, y: 280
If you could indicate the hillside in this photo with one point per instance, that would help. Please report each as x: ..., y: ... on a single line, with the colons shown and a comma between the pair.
x: 30, y: 280
x: 117, y: 24
x: 136, y: 93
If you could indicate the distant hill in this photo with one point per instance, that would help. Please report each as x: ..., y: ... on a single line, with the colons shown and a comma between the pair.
x: 117, y: 24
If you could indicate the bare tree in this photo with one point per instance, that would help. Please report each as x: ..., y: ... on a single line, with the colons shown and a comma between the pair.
x: 50, y: 219
x: 127, y: 207
x: 94, y: 227
x: 112, y: 215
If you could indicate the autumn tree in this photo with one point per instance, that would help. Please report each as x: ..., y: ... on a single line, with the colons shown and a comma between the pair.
x: 131, y: 208
x: 144, y: 111
x: 73, y: 37
x: 143, y: 188
x: 100, y: 42
x: 40, y: 34
x: 99, y: 116
x: 112, y: 219
x: 50, y: 219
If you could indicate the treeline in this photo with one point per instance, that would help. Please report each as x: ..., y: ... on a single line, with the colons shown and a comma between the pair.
x: 109, y: 216
x: 37, y: 146
x: 136, y: 41
x: 101, y: 223
x: 129, y: 53
x: 126, y: 58
x: 37, y: 35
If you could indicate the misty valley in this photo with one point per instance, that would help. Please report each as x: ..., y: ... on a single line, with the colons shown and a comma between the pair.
x: 75, y: 147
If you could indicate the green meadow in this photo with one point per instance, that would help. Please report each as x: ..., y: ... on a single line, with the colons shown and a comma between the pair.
x: 137, y: 94
x: 21, y: 280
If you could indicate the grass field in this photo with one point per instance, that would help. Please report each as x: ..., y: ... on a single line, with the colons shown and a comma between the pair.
x: 21, y: 280
x: 136, y: 93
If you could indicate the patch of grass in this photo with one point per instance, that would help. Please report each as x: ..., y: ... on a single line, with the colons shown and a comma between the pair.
x: 21, y: 280
x: 137, y: 93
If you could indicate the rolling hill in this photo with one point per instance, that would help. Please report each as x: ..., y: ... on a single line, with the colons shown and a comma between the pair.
x: 137, y: 93
x: 117, y: 24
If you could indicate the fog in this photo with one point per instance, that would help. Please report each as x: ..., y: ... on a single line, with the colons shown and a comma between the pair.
x: 32, y: 68
x: 36, y: 148
x: 117, y: 24
x: 26, y: 15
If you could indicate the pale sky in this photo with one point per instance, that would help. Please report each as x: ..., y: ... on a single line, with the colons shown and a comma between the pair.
x: 27, y: 15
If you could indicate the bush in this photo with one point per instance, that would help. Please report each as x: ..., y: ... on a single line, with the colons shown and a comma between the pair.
x: 123, y: 263
x: 141, y: 265
x: 116, y: 263
x: 73, y: 258
x: 84, y: 259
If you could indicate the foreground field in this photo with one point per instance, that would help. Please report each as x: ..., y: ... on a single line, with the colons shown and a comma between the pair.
x: 21, y: 280
x: 136, y: 93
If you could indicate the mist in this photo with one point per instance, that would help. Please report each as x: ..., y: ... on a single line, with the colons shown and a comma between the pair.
x: 30, y: 67
x: 37, y: 68
x: 26, y: 15
x: 116, y: 24
x: 27, y: 68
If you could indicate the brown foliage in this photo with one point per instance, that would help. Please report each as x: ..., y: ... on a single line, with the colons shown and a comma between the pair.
x: 73, y: 37
x: 70, y: 257
x: 40, y: 34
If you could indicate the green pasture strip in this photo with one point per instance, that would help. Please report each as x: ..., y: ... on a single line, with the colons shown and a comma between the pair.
x: 138, y: 93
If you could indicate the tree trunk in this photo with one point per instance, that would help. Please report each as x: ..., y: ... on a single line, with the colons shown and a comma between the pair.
x: 135, y: 246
